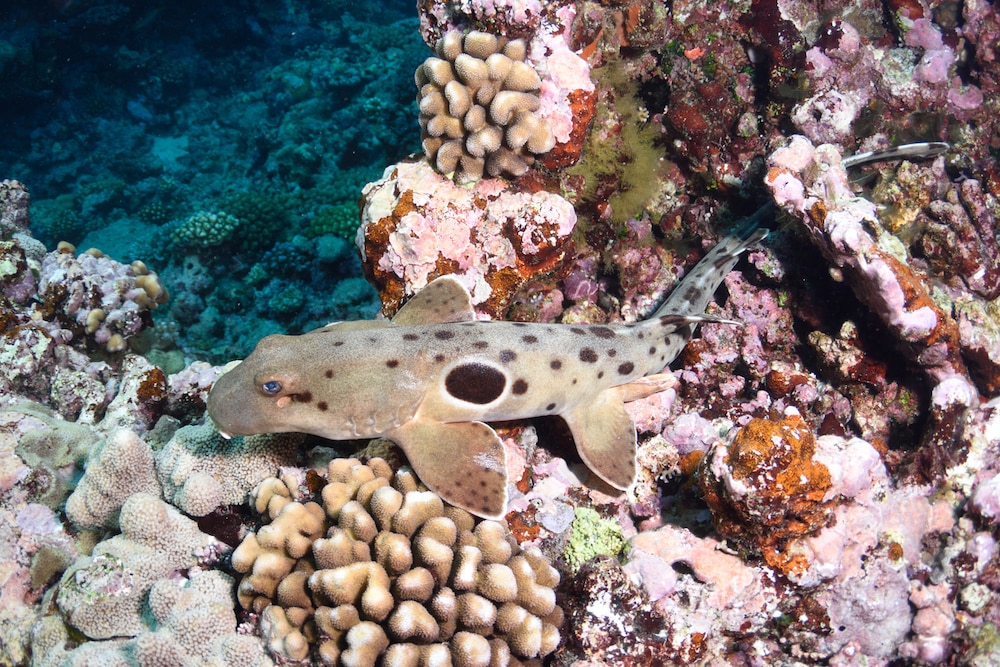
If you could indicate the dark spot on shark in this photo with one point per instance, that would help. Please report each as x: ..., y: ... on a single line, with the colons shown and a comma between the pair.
x: 304, y: 397
x: 612, y: 352
x: 555, y: 364
x: 519, y: 324
x: 392, y: 363
x: 475, y: 383
x: 550, y: 407
x: 529, y: 339
x: 600, y: 375
x: 439, y: 358
x: 410, y: 336
x: 328, y: 374
x: 578, y: 331
x: 626, y: 368
x: 444, y: 334
x: 323, y: 406
x: 519, y: 387
x: 652, y: 350
x: 602, y: 332
x: 481, y: 345
x: 338, y: 343
x: 588, y: 355
x: 507, y: 356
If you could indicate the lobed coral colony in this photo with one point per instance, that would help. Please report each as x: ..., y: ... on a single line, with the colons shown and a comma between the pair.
x: 376, y: 570
x: 477, y: 101
x: 818, y: 484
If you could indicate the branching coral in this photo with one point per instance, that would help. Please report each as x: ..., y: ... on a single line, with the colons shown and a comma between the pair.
x: 478, y: 99
x: 376, y: 569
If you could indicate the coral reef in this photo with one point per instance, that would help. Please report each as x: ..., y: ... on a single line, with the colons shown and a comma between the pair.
x: 200, y: 471
x: 765, y: 488
x: 477, y: 101
x: 377, y: 570
x: 102, y: 595
x: 818, y: 486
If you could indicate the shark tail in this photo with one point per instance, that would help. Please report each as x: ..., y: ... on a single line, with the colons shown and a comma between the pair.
x: 691, y: 296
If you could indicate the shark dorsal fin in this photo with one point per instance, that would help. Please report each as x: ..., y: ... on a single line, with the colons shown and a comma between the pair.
x: 443, y: 300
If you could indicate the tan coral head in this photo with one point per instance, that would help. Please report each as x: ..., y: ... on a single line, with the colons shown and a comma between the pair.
x: 478, y: 99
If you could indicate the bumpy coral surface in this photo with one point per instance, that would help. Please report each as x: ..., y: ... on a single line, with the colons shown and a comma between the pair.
x: 478, y: 100
x: 374, y: 570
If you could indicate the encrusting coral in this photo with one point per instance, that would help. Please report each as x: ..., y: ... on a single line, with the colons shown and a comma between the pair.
x: 477, y: 100
x: 378, y: 570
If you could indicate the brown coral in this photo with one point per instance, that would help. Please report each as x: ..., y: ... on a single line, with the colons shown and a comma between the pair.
x: 377, y: 569
x: 477, y: 101
x: 765, y: 490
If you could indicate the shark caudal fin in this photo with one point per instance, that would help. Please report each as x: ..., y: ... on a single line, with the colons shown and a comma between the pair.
x: 695, y: 290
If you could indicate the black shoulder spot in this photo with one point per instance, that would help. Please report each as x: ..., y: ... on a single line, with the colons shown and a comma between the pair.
x: 475, y: 383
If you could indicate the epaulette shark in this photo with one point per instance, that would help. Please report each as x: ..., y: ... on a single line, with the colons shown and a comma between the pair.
x: 432, y: 377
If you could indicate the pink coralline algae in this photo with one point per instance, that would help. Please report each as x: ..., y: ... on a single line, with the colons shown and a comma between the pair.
x: 417, y: 225
x: 850, y: 73
x: 836, y: 220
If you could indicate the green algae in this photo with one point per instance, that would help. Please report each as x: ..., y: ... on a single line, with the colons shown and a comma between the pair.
x: 592, y: 536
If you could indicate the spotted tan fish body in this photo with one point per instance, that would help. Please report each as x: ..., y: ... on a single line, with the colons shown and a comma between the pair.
x: 430, y: 379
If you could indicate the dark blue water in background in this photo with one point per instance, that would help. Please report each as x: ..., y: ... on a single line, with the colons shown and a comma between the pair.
x: 223, y: 143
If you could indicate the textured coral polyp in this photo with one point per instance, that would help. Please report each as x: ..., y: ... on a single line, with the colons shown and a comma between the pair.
x: 765, y: 489
x: 378, y: 570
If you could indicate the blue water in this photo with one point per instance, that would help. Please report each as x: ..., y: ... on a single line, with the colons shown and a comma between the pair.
x: 126, y: 119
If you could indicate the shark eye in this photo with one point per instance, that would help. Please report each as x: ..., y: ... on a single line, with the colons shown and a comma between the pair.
x: 271, y: 387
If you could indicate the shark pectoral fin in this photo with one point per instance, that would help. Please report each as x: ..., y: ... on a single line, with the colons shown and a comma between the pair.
x: 605, y: 437
x: 646, y: 386
x: 444, y: 299
x: 463, y: 462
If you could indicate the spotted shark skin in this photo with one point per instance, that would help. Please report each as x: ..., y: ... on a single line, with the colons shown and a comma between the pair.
x: 432, y: 378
